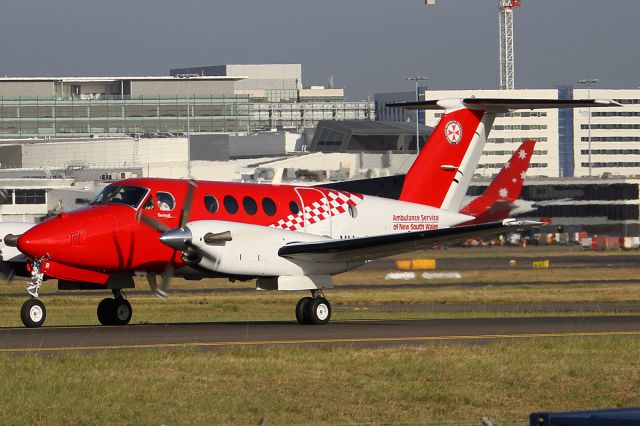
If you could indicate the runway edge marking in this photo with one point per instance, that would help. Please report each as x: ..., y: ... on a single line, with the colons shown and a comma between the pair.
x: 320, y: 341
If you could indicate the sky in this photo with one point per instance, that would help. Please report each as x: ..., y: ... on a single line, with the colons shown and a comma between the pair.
x: 369, y: 46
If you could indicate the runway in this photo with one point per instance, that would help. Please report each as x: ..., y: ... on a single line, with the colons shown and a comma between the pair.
x: 353, y: 333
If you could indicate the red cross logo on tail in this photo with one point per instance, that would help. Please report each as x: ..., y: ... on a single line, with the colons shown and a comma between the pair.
x: 453, y: 132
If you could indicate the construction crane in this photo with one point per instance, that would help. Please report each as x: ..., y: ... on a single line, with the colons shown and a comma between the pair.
x: 505, y: 30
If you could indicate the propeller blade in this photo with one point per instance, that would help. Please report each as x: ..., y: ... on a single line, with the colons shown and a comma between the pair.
x: 188, y: 201
x: 6, y: 271
x: 153, y: 282
x: 162, y: 290
x: 152, y: 223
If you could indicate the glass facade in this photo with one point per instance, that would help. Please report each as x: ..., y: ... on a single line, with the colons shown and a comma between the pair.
x: 37, y: 117
x: 565, y: 134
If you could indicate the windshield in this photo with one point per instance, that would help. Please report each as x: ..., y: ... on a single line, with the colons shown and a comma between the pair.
x: 131, y: 196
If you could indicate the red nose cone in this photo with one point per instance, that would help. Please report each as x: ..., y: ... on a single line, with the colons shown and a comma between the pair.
x: 35, y: 243
x: 76, y: 239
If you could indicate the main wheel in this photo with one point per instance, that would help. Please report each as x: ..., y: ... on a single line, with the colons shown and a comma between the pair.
x: 301, y: 310
x: 105, y: 311
x: 122, y: 311
x: 33, y: 313
x: 319, y: 311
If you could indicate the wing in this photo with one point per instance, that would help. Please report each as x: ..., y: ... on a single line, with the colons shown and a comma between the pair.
x: 369, y: 248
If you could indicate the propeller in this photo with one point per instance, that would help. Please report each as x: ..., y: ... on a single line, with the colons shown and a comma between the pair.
x: 162, y: 228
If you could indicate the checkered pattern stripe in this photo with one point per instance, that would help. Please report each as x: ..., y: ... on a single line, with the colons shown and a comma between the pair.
x: 338, y: 203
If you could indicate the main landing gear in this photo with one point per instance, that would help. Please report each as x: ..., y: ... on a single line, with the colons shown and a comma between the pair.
x: 313, y: 310
x: 116, y: 311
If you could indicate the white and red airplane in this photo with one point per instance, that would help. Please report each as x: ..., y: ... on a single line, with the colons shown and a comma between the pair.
x: 288, y: 237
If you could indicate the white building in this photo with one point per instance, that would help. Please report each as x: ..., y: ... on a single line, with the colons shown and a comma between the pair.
x: 615, y: 134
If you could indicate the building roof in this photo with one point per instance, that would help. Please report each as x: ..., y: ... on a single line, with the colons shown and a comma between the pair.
x: 106, y: 79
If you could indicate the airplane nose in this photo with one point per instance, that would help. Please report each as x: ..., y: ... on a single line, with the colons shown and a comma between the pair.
x: 34, y: 243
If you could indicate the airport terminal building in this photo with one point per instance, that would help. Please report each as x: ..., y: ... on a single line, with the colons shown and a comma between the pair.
x: 215, y: 99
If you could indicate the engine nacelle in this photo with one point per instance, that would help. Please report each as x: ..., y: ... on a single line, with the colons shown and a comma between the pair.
x: 253, y: 250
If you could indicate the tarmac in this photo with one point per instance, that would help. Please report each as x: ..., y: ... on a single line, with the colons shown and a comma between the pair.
x: 209, y: 336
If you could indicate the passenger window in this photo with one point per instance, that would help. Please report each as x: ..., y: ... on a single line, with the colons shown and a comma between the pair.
x: 230, y: 204
x: 249, y: 205
x: 268, y: 206
x: 211, y: 203
x: 166, y: 202
x: 149, y: 204
x: 293, y: 206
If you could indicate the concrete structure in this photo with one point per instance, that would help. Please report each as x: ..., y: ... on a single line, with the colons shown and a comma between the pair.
x: 275, y: 82
x: 85, y: 88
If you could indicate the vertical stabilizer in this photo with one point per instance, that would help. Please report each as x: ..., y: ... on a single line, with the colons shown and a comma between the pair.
x: 442, y: 172
x: 497, y: 200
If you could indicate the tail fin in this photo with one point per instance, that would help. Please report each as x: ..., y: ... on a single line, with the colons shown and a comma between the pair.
x: 442, y: 172
x: 496, y: 201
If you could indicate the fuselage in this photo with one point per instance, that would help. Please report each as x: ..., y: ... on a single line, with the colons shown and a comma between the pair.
x: 108, y: 235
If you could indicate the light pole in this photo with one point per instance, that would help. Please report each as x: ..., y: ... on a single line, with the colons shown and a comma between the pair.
x: 188, y: 77
x: 417, y: 78
x: 589, y: 82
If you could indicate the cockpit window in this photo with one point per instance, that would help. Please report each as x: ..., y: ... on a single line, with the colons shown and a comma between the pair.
x: 131, y: 196
x: 149, y: 205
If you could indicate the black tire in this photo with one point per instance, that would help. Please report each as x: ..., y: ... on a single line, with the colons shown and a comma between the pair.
x: 122, y: 312
x: 33, y: 313
x: 319, y: 311
x: 105, y: 311
x: 301, y: 310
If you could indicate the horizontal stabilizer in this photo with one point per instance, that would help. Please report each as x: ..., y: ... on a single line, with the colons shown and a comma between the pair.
x: 369, y: 248
x: 494, y: 104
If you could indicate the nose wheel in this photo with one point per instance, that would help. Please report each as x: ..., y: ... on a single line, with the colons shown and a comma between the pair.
x: 115, y: 311
x: 313, y: 310
x: 33, y: 313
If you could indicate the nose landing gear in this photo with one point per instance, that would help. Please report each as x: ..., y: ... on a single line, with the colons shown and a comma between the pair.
x: 33, y: 312
x: 313, y: 310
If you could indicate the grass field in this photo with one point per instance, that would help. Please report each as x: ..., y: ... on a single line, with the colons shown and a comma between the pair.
x: 332, y: 385
x: 409, y: 385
